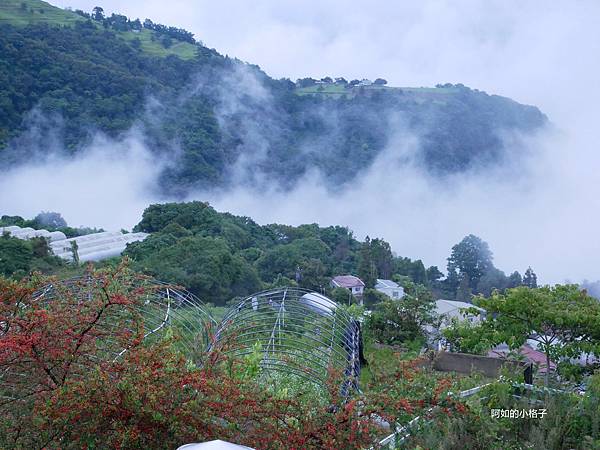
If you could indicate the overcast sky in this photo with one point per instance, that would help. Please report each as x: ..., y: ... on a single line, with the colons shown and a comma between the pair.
x: 536, y: 52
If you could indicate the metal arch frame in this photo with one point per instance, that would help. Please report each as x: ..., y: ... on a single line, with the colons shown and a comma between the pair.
x: 164, y: 296
x: 164, y: 305
x: 301, y: 332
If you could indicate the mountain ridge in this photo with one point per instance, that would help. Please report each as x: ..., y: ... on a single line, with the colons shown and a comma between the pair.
x: 219, y: 119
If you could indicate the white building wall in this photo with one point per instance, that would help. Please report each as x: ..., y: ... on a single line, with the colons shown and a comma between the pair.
x: 394, y: 293
x: 358, y: 290
x: 449, y: 310
x: 389, y: 288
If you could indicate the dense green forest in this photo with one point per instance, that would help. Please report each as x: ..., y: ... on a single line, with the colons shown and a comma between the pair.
x: 220, y: 256
x: 66, y: 75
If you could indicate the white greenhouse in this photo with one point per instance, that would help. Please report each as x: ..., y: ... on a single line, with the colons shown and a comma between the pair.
x: 90, y: 247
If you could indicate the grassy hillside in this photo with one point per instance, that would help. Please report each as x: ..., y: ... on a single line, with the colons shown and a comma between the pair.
x: 333, y: 89
x: 419, y: 95
x: 26, y: 12
x: 184, y: 50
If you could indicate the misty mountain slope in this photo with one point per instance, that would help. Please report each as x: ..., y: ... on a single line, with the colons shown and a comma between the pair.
x: 218, y: 120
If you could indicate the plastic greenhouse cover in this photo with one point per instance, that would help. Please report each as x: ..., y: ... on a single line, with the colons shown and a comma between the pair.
x: 318, y: 303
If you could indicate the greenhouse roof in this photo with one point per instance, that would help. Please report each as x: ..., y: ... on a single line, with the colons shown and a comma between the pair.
x: 90, y: 247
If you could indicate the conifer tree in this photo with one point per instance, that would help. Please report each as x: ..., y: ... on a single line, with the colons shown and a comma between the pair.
x: 530, y: 278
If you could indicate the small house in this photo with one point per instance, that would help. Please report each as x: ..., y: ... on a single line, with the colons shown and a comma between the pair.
x: 528, y: 352
x: 447, y: 311
x: 390, y: 288
x: 452, y: 309
x: 354, y: 284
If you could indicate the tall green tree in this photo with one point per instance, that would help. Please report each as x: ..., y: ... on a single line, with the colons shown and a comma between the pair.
x: 515, y: 279
x: 434, y: 277
x: 451, y: 283
x: 563, y: 320
x: 395, y: 321
x: 464, y: 292
x: 98, y: 13
x: 50, y: 219
x: 415, y: 270
x: 382, y: 257
x: 367, y: 270
x: 492, y: 279
x: 375, y: 261
x: 471, y: 258
x: 530, y: 278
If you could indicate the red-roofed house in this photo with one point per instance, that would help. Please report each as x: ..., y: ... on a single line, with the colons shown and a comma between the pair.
x: 534, y: 356
x: 354, y: 284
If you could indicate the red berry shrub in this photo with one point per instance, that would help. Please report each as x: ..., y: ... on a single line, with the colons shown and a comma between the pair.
x: 65, y: 382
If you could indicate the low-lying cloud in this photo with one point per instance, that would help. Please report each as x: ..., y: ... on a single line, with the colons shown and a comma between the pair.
x: 533, y: 213
x: 541, y: 211
x: 108, y: 184
x: 531, y: 209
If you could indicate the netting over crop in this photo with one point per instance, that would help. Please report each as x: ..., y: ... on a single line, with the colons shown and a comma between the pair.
x: 297, y: 332
x: 69, y: 328
x: 161, y: 307
x: 291, y: 335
